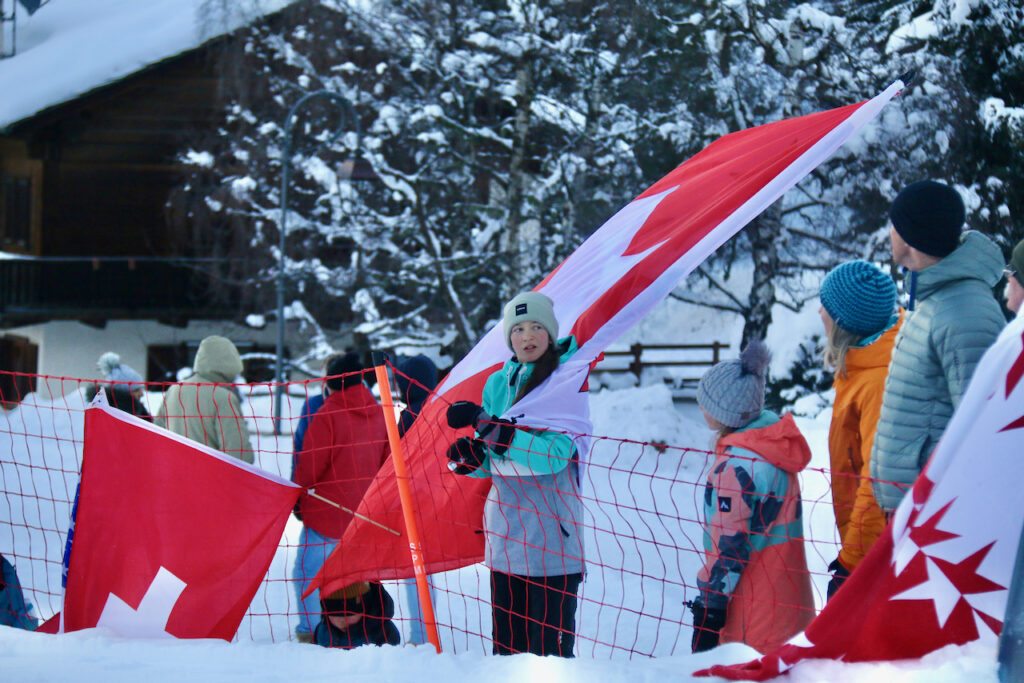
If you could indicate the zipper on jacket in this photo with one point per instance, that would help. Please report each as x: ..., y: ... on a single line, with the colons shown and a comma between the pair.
x: 912, y: 290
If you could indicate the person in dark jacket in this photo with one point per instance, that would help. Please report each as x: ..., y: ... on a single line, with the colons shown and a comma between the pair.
x: 415, y: 378
x: 359, y: 614
x: 124, y: 386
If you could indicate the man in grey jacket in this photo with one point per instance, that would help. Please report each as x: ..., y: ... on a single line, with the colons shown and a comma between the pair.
x: 952, y: 318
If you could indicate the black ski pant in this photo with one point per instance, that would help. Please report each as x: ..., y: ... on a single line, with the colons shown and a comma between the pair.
x: 534, y: 613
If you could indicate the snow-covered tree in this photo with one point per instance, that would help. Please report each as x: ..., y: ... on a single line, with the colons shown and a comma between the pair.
x: 499, y: 134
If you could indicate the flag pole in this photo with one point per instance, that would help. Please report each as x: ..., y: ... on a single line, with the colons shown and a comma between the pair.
x: 405, y: 495
x: 313, y: 494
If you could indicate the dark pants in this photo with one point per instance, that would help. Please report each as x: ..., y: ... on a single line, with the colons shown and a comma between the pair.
x: 534, y: 613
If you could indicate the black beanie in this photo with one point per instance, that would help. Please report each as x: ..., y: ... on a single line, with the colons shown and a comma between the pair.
x: 340, y: 369
x: 929, y: 217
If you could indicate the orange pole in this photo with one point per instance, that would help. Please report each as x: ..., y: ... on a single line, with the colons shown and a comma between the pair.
x: 405, y: 495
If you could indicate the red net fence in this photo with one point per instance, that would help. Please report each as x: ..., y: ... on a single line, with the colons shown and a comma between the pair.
x: 642, y: 525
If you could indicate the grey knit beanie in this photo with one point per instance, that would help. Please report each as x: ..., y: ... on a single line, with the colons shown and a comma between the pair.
x: 732, y: 392
x: 530, y: 306
x: 117, y: 373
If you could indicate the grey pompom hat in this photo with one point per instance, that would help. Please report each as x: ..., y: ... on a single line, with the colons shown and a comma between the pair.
x: 732, y: 392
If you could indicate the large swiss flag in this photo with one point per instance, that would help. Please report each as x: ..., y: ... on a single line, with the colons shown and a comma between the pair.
x: 172, y: 538
x: 939, y: 574
x: 601, y: 290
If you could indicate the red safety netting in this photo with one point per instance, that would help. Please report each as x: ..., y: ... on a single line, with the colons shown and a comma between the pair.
x: 641, y: 526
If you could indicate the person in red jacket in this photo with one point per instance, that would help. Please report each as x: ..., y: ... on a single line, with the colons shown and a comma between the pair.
x: 344, y: 446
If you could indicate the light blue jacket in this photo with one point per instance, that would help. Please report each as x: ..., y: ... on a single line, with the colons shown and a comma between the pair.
x: 954, y: 317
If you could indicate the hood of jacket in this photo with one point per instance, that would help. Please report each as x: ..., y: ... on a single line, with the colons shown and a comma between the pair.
x: 976, y: 258
x: 776, y: 440
x: 415, y: 379
x: 218, y: 359
x: 354, y: 402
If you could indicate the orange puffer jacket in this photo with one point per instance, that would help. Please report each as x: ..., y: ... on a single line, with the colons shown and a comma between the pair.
x: 852, y: 432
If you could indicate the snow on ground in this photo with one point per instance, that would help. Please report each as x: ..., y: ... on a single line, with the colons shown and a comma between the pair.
x: 94, y: 655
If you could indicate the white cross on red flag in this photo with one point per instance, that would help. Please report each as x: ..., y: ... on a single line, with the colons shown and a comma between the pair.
x: 172, y: 538
x: 940, y: 573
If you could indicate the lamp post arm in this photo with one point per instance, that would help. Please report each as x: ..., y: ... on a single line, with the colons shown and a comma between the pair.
x: 346, y: 114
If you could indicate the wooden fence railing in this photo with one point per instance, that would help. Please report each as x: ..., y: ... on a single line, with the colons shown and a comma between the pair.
x: 668, y: 357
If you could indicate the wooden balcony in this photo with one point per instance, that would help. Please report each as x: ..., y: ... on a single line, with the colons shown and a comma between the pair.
x: 94, y: 290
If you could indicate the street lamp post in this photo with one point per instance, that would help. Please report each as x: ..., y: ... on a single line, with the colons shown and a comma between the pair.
x: 345, y: 114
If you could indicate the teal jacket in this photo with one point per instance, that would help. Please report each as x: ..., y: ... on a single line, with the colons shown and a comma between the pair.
x: 533, y: 514
x: 954, y: 318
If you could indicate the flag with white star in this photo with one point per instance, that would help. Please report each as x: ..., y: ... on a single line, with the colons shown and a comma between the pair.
x: 940, y: 573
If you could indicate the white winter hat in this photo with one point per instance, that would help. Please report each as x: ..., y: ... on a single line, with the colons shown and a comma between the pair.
x: 530, y: 306
x: 116, y: 372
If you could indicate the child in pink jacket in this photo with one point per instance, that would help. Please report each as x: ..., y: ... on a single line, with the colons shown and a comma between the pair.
x: 754, y: 585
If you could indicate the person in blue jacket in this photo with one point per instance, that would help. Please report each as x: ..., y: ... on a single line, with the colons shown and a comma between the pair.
x: 14, y: 611
x: 313, y: 548
x: 533, y: 514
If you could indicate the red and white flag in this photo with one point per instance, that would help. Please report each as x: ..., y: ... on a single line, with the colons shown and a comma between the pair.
x: 939, y: 574
x: 601, y: 290
x: 172, y: 538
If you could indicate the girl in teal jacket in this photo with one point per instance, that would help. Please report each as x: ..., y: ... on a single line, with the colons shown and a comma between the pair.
x: 533, y: 513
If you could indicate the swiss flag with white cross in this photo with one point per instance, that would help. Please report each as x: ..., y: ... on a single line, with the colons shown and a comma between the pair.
x: 172, y: 538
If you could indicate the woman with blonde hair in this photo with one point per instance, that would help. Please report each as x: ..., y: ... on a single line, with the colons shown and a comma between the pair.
x: 858, y: 311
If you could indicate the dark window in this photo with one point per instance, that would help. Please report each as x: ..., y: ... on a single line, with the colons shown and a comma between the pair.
x: 16, y: 211
x: 19, y: 363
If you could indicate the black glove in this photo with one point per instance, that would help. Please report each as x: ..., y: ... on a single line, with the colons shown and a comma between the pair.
x: 466, y: 455
x: 465, y: 414
x: 707, y: 625
x: 839, y: 576
x: 496, y: 433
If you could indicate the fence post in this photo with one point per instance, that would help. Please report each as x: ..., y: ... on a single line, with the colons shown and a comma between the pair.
x: 715, y: 348
x: 637, y: 367
x: 405, y: 496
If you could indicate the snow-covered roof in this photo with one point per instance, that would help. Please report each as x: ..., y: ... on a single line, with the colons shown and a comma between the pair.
x: 70, y: 47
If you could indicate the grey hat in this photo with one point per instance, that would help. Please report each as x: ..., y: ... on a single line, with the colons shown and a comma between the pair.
x: 532, y: 306
x: 732, y: 392
x: 116, y: 372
